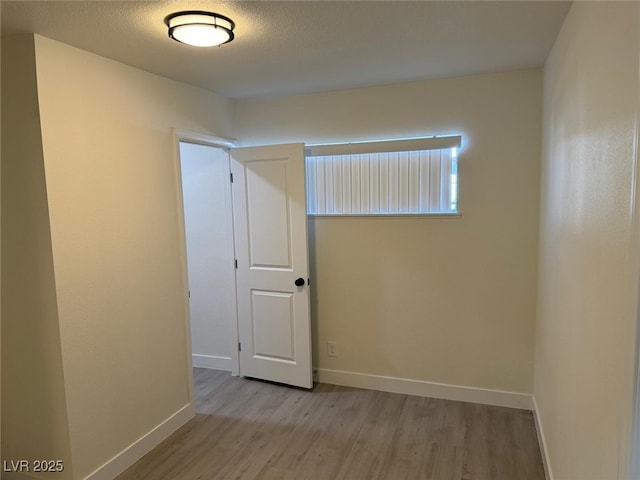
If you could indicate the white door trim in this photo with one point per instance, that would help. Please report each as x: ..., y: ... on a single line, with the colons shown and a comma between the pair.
x: 203, y: 139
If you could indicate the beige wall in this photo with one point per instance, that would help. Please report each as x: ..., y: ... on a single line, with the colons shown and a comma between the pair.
x: 440, y: 300
x: 34, y: 412
x: 586, y: 307
x: 115, y: 242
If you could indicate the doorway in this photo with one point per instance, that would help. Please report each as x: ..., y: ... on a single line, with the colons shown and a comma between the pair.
x: 208, y: 222
x: 246, y: 258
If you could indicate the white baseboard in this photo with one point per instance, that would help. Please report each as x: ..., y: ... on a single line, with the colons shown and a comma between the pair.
x: 426, y: 389
x: 542, y: 442
x: 212, y: 362
x: 142, y: 446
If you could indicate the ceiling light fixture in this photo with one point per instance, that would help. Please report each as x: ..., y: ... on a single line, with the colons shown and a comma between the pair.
x: 200, y: 29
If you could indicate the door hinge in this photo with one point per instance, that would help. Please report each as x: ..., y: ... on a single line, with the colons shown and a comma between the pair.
x: 232, y: 178
x: 239, y: 346
x: 236, y: 263
x: 189, y: 293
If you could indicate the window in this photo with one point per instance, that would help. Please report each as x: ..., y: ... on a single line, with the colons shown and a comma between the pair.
x: 401, y: 177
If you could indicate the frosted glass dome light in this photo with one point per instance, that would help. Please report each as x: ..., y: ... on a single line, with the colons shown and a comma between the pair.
x: 200, y: 29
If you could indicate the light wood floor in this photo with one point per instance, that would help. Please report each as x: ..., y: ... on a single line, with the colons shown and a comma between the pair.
x: 247, y: 429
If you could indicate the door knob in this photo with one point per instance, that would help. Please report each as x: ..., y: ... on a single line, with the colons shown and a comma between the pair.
x: 299, y: 282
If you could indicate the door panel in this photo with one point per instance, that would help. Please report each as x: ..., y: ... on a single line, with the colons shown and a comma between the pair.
x: 273, y: 326
x: 268, y: 216
x: 271, y: 245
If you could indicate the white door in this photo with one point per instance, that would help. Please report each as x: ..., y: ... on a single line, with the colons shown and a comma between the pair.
x: 270, y: 226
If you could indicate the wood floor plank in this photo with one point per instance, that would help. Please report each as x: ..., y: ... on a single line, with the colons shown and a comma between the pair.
x: 252, y: 430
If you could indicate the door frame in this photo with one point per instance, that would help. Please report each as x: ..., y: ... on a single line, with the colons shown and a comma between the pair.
x: 210, y: 141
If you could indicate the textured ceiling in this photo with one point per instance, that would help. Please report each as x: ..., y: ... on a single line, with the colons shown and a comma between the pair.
x: 293, y: 47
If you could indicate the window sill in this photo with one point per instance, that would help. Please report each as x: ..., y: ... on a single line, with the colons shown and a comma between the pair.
x: 385, y: 215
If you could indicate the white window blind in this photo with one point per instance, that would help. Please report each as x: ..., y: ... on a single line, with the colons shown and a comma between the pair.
x: 417, y: 176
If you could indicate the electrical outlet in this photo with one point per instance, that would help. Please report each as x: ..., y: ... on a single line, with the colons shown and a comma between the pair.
x: 332, y: 349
